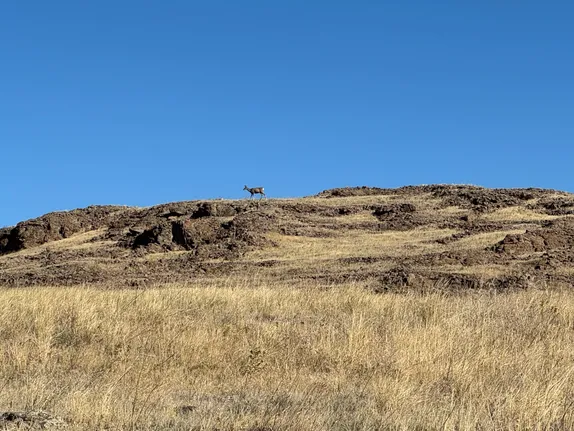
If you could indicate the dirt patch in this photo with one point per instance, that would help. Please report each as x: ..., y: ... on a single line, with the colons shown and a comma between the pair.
x: 485, y: 200
x: 405, y: 278
x: 360, y: 259
x: 353, y: 191
x: 307, y: 209
x: 400, y: 216
x: 454, y: 237
x: 308, y: 231
x: 556, y: 206
x: 464, y: 196
x: 555, y: 235
x: 550, y: 261
x: 468, y: 230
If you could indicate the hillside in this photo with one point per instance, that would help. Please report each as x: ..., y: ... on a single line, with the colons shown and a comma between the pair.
x: 340, y: 311
x: 435, y: 236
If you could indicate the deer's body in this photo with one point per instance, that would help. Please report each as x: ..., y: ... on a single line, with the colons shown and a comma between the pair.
x: 255, y: 191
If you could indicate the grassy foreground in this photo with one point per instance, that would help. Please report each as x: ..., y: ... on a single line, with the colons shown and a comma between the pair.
x: 243, y: 355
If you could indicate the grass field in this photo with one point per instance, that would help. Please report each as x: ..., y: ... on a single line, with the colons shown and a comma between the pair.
x: 249, y: 355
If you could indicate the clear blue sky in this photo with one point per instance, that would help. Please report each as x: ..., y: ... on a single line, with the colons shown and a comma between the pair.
x: 143, y: 102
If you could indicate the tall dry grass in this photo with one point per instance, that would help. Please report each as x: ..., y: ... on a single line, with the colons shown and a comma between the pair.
x: 246, y: 355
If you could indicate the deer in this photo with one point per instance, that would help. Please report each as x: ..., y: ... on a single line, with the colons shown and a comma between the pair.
x: 255, y: 190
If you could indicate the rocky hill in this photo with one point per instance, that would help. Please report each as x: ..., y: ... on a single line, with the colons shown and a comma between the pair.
x: 415, y: 237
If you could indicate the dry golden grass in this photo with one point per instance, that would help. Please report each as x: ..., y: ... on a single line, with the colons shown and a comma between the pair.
x: 422, y: 200
x: 75, y: 242
x: 483, y: 240
x: 241, y: 355
x: 517, y: 214
x: 453, y: 210
x: 486, y: 270
x: 352, y: 244
x: 358, y: 218
x: 350, y: 200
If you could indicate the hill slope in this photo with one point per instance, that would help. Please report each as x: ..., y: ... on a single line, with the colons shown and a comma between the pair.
x: 436, y: 236
x: 239, y: 328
